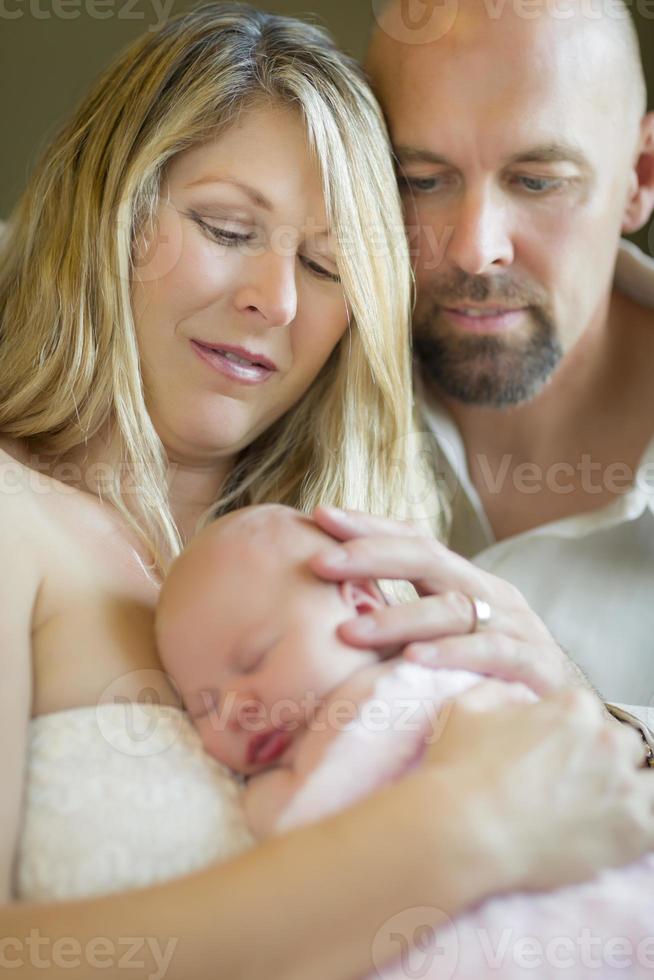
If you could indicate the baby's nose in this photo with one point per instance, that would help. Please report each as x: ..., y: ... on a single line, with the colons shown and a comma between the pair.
x: 247, y: 713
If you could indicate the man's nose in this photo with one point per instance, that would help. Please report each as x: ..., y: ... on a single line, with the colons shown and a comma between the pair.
x: 270, y: 290
x: 481, y: 238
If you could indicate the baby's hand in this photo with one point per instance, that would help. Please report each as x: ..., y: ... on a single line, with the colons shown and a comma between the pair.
x: 265, y: 796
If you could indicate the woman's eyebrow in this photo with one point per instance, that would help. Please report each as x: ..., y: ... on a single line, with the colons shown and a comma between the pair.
x: 255, y: 196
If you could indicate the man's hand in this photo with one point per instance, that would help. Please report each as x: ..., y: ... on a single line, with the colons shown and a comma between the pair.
x: 555, y: 785
x: 435, y: 630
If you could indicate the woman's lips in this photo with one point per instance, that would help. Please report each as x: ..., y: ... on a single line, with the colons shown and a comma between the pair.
x: 485, y: 321
x: 233, y: 365
x: 268, y: 746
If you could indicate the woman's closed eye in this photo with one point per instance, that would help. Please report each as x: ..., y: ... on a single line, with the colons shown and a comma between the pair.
x: 319, y: 270
x: 229, y: 236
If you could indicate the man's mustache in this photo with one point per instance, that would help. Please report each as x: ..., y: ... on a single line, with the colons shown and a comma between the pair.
x: 460, y: 286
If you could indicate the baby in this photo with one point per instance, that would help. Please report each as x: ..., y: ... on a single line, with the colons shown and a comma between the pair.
x: 250, y: 637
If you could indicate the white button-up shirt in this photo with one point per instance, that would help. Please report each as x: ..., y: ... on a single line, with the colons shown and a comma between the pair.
x: 590, y: 577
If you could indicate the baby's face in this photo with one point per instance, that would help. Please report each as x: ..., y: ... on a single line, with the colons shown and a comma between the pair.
x: 250, y: 635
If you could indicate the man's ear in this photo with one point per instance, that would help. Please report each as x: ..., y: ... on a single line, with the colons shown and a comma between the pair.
x: 363, y: 596
x: 640, y: 202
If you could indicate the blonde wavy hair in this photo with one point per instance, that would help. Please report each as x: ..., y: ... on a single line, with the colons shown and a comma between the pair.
x: 69, y: 361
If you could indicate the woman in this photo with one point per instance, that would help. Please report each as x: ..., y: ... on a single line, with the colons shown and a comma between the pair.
x: 191, y: 320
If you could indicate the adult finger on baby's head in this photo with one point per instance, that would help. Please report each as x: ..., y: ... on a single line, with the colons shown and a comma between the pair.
x: 425, y: 562
x: 347, y: 524
x: 341, y: 524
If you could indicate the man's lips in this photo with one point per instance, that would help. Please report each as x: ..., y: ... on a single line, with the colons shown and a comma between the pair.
x: 485, y: 319
x: 267, y: 746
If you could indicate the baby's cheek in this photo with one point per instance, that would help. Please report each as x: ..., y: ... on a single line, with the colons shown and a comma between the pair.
x: 218, y: 742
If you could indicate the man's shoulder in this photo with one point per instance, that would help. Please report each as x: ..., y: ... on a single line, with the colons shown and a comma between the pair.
x: 634, y: 274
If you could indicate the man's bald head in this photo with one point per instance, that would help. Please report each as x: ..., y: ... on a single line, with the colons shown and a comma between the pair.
x: 524, y: 154
x: 448, y: 26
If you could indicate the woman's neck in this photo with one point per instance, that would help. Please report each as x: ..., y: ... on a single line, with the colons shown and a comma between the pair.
x: 193, y: 485
x: 193, y: 489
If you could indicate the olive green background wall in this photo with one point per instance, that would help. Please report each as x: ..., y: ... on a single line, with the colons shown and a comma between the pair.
x: 50, y: 50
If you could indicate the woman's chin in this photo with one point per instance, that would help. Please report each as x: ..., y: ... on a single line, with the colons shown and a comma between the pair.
x: 198, y: 439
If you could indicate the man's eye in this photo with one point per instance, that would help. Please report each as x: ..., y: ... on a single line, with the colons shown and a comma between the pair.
x: 421, y: 185
x: 540, y: 185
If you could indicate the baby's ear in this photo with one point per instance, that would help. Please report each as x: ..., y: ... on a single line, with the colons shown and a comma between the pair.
x: 362, y: 595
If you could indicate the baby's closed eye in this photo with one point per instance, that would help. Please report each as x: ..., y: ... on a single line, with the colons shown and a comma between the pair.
x: 254, y: 652
x: 252, y: 661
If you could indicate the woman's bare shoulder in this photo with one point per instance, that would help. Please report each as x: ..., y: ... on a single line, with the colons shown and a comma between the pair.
x: 26, y: 524
x: 17, y: 485
x: 19, y: 584
x: 14, y: 482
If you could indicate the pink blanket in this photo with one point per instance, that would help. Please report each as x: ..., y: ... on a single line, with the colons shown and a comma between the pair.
x: 601, y: 929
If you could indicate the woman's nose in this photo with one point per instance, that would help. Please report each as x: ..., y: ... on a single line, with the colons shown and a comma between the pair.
x: 270, y: 290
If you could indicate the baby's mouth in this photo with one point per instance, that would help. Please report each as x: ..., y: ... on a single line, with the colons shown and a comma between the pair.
x: 267, y: 746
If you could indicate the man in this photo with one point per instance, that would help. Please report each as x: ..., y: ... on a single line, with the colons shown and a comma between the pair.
x: 524, y: 152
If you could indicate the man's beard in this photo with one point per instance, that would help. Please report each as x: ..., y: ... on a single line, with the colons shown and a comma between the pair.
x: 485, y: 369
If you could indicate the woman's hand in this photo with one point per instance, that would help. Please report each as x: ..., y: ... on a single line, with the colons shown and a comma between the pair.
x: 552, y: 788
x: 436, y: 629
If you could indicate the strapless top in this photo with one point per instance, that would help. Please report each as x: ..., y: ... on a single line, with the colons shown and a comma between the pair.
x: 121, y: 796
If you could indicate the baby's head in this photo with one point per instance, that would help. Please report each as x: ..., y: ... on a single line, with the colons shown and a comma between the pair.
x: 249, y: 634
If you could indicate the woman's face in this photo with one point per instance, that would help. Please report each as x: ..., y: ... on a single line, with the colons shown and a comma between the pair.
x: 236, y: 296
